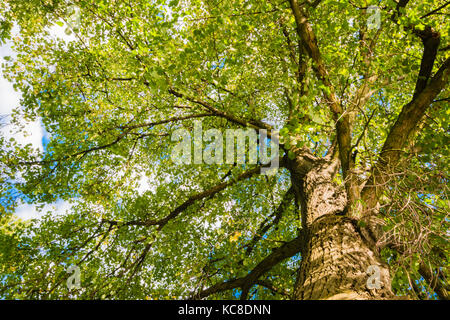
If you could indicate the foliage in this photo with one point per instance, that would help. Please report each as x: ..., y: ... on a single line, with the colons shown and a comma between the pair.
x: 104, y: 97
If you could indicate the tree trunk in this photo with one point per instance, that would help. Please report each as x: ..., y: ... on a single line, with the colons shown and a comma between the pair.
x: 338, y: 262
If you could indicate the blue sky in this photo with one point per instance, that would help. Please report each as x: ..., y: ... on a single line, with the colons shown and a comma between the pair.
x: 33, y: 133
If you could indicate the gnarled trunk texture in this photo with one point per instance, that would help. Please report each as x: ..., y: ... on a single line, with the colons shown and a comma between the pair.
x: 337, y: 256
x: 336, y: 261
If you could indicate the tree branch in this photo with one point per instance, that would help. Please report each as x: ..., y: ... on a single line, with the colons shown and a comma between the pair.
x: 191, y: 200
x: 265, y: 226
x: 285, y: 251
x: 267, y: 284
x: 433, y: 282
x: 401, y: 132
x: 343, y: 125
x: 430, y: 40
x: 245, y: 123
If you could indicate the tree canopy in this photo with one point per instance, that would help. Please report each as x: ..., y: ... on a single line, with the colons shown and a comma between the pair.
x: 363, y: 82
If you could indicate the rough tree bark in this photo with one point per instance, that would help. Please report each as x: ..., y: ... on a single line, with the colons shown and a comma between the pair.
x: 337, y: 252
x: 338, y: 249
x: 340, y: 227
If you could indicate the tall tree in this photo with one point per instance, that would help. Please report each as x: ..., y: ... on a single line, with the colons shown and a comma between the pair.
x: 358, y: 91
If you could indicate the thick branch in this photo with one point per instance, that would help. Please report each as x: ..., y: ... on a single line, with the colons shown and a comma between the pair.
x: 285, y: 251
x: 271, y: 287
x: 431, y: 42
x: 190, y: 201
x: 265, y: 225
x: 250, y: 123
x: 309, y: 42
x: 401, y: 132
x: 343, y: 125
x: 127, y: 129
x: 433, y: 282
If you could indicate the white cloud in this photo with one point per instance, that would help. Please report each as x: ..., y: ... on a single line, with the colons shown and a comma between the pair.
x: 32, y: 131
x: 30, y: 211
x: 59, y: 32
x: 10, y: 100
x: 145, y: 184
